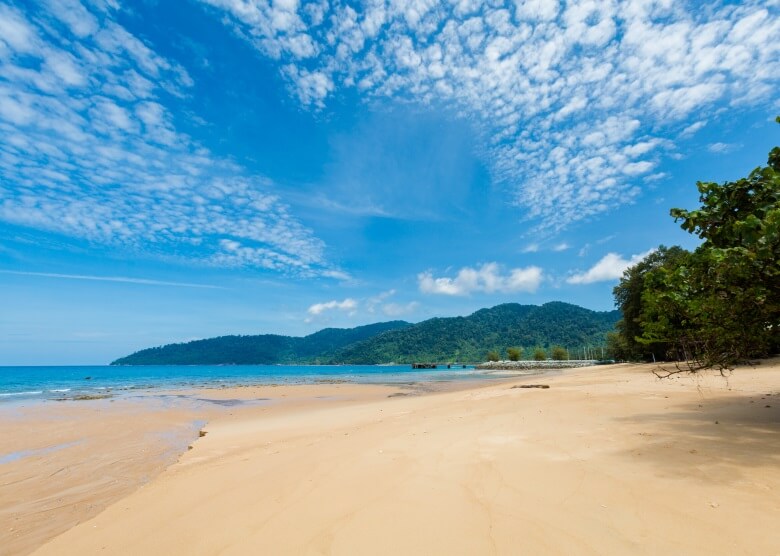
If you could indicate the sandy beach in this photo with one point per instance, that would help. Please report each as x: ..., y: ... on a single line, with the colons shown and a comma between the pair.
x: 607, y: 460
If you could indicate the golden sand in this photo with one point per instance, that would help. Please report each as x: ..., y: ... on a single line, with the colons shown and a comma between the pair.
x: 608, y: 460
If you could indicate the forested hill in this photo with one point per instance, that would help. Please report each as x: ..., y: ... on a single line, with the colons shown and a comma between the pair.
x: 467, y: 339
x: 462, y: 339
x: 265, y: 349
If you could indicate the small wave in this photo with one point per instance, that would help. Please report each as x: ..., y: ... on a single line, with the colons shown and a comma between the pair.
x: 31, y: 393
x: 60, y: 390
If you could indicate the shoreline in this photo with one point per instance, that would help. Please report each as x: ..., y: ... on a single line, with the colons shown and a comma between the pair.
x: 91, y: 382
x: 63, y: 462
x: 608, y: 460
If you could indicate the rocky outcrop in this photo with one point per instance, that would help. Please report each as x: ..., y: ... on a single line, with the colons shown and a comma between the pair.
x: 534, y: 365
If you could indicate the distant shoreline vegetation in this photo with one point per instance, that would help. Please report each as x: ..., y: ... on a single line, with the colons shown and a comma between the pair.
x: 525, y: 328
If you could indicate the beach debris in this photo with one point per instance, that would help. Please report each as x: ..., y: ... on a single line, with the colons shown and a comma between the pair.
x: 202, y: 433
x: 531, y: 386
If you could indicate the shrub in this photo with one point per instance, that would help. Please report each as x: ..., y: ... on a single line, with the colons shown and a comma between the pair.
x: 514, y: 354
x: 540, y: 355
x: 559, y: 354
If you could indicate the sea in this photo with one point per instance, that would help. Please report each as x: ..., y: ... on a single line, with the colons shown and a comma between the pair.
x: 77, y: 382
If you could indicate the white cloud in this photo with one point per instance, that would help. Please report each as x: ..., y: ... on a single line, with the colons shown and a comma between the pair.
x: 349, y: 305
x: 535, y: 247
x: 373, y: 302
x: 693, y: 128
x: 336, y: 274
x: 370, y: 305
x: 88, y: 150
x: 531, y: 248
x: 399, y: 309
x: 487, y: 278
x: 610, y: 267
x: 722, y: 148
x: 637, y: 168
x: 121, y: 279
x: 638, y: 149
x: 542, y: 79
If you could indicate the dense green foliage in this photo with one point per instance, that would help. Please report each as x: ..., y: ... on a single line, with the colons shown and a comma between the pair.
x: 492, y: 356
x: 540, y: 354
x: 266, y: 349
x: 559, y: 354
x: 468, y: 339
x: 514, y: 354
x: 441, y: 340
x: 625, y: 344
x: 719, y: 304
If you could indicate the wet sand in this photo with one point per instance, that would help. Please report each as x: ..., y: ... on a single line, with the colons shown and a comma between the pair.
x: 607, y: 460
x: 62, y: 463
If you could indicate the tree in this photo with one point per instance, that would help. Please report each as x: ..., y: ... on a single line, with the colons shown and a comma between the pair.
x: 559, y: 354
x: 539, y: 354
x: 514, y: 353
x: 709, y: 309
x: 617, y: 347
x: 628, y: 298
x: 492, y: 356
x: 721, y: 303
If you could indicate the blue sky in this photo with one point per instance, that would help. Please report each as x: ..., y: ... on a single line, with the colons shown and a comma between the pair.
x: 180, y: 170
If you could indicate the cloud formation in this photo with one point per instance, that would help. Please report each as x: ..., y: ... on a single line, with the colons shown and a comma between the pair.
x: 486, y: 279
x: 399, y: 309
x: 88, y: 150
x: 348, y: 305
x: 610, y: 267
x: 722, y: 148
x: 120, y: 279
x: 568, y: 95
x: 366, y: 306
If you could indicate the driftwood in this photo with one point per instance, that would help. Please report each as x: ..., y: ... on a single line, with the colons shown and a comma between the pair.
x: 531, y: 386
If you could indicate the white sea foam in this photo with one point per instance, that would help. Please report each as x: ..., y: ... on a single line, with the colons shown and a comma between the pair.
x: 32, y: 393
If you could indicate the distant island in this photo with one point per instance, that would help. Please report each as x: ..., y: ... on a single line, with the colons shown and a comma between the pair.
x: 453, y: 339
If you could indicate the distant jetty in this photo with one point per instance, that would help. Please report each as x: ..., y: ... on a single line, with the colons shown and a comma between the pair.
x: 536, y: 365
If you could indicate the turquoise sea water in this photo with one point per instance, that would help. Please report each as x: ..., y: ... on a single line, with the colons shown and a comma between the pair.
x: 25, y: 383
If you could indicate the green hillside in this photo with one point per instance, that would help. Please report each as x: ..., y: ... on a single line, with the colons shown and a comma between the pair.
x: 470, y: 338
x: 265, y: 349
x: 462, y: 339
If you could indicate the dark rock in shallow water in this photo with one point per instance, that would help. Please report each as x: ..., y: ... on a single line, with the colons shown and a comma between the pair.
x: 83, y: 398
